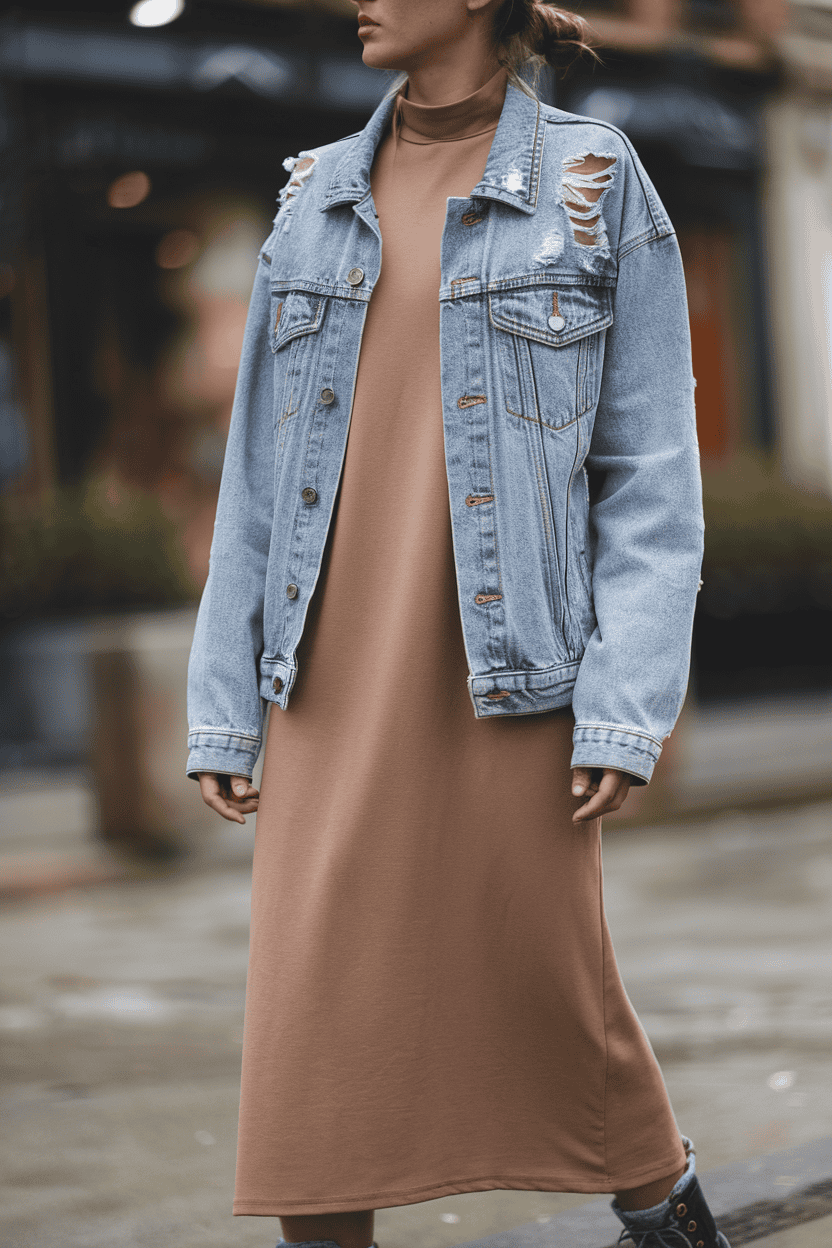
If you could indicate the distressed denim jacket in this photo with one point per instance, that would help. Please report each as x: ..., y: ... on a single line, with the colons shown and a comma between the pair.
x: 569, y: 427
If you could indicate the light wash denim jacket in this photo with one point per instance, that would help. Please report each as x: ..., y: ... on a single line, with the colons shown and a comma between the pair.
x: 570, y: 440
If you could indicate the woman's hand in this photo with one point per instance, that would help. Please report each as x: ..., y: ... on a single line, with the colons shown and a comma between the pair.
x: 230, y: 796
x: 605, y: 788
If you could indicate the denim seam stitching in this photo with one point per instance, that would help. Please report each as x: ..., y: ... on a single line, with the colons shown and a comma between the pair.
x: 227, y: 734
x: 538, y: 336
x: 639, y: 241
x: 620, y: 728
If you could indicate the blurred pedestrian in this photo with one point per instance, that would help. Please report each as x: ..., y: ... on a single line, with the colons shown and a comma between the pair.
x: 460, y: 527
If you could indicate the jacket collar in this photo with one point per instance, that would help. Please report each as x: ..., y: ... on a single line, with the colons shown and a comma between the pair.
x: 512, y: 172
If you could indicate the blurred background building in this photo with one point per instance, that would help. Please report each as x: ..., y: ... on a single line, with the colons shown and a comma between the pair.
x: 140, y: 158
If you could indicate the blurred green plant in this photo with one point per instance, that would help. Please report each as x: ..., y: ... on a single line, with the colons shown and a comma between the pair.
x: 88, y: 548
x: 754, y: 516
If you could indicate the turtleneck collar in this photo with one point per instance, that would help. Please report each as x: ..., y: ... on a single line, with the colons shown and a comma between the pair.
x: 476, y: 114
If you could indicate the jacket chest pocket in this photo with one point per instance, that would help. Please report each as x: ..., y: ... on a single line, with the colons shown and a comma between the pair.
x: 294, y: 314
x: 549, y: 341
x: 296, y: 318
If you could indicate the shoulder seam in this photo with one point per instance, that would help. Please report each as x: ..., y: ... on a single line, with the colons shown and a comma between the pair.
x: 344, y: 138
x: 640, y: 240
x: 335, y: 142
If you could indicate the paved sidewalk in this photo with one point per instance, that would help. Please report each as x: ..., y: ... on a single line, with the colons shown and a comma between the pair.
x: 121, y: 1014
x: 785, y: 1193
x: 810, y: 1235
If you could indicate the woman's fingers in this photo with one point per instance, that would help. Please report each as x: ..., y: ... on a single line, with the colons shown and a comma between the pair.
x: 582, y: 781
x: 233, y: 797
x: 241, y: 787
x: 604, y: 788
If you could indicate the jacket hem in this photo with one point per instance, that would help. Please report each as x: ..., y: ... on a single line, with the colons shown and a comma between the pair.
x: 523, y: 692
x: 569, y: 1182
x: 608, y: 745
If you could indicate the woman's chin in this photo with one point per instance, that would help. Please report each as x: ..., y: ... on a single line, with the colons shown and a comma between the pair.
x: 375, y: 58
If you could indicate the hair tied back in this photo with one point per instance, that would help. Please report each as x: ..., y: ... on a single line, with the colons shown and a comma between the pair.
x: 532, y: 33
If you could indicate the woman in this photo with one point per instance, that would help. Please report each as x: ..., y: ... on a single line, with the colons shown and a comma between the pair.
x: 460, y: 526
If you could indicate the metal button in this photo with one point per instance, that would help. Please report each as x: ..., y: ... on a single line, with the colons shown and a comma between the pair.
x: 309, y: 495
x: 355, y: 277
x: 291, y: 591
x: 327, y: 395
x: 556, y: 322
x: 277, y: 684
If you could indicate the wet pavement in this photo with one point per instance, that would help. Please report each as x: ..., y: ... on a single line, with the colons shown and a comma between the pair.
x: 121, y: 1027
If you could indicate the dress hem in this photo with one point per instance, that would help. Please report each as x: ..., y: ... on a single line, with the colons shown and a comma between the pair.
x: 521, y: 1183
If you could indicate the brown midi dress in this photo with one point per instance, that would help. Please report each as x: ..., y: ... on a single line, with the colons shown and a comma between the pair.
x: 433, y: 1002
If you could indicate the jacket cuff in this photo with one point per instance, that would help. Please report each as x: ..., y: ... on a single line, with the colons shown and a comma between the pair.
x: 216, y: 749
x: 605, y: 745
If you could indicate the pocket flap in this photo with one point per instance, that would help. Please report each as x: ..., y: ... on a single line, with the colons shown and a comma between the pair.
x: 294, y: 313
x: 553, y: 314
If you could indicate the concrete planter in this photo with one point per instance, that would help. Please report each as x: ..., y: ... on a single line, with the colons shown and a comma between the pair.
x: 111, y: 691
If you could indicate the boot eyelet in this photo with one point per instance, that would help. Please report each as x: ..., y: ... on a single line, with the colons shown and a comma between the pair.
x: 681, y: 1210
x: 691, y: 1226
x: 700, y: 1243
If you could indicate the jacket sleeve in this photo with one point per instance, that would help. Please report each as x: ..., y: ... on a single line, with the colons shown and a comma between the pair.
x: 645, y: 521
x: 225, y: 712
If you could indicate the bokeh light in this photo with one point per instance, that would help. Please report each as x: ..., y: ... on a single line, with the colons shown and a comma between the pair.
x: 156, y: 12
x: 176, y: 249
x: 128, y: 190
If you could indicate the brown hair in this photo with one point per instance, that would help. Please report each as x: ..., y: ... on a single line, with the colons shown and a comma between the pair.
x: 531, y: 34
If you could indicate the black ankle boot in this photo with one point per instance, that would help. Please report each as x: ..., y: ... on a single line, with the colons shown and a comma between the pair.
x: 309, y: 1243
x: 313, y: 1243
x: 682, y: 1221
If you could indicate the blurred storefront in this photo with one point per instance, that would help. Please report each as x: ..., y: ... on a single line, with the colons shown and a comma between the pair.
x: 140, y: 169
x: 139, y: 172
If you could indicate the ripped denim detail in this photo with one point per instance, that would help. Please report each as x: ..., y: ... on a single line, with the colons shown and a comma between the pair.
x: 301, y: 168
x: 586, y: 180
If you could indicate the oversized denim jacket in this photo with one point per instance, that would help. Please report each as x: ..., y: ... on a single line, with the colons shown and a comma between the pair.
x: 570, y: 441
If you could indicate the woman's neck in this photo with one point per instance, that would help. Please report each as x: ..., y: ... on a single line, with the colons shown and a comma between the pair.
x: 457, y: 73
